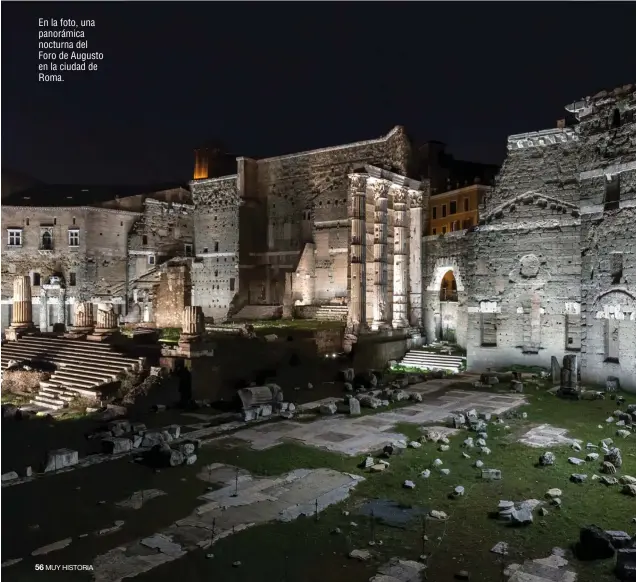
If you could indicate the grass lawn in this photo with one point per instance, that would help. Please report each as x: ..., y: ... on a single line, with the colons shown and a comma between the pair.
x: 306, y: 550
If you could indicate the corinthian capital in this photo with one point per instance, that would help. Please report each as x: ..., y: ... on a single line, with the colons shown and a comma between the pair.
x: 400, y: 194
x: 380, y: 188
x: 415, y: 198
x: 358, y: 182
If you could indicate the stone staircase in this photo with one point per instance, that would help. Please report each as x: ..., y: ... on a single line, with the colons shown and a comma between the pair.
x: 332, y: 313
x: 426, y: 360
x: 82, y: 367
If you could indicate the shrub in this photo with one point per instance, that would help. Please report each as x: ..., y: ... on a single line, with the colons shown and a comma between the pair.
x: 23, y: 381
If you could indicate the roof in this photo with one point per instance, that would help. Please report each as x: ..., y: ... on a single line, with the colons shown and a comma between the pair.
x: 80, y: 194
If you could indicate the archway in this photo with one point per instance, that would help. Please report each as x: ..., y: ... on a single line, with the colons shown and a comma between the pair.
x: 448, y: 287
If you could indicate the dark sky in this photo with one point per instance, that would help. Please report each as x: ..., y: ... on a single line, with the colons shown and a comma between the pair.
x: 274, y: 78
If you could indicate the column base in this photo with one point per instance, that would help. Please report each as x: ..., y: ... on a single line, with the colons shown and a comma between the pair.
x: 80, y: 330
x: 16, y: 331
x: 400, y: 324
x: 380, y: 325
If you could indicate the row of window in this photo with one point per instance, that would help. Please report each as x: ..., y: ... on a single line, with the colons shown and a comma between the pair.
x: 452, y: 208
x: 453, y: 226
x: 15, y: 238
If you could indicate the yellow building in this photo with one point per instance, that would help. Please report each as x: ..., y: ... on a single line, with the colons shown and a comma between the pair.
x: 455, y: 210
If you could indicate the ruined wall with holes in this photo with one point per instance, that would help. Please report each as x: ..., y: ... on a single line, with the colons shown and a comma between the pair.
x: 443, y: 253
x: 97, y: 264
x: 215, y: 273
x: 165, y: 230
x: 524, y: 257
x: 608, y: 209
x: 171, y: 296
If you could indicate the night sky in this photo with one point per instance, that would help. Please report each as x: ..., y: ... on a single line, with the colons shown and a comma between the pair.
x: 274, y: 78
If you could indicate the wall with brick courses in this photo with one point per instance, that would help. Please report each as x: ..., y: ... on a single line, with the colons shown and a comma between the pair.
x: 215, y: 274
x: 609, y: 240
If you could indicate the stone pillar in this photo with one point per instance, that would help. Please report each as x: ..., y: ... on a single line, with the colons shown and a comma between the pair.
x: 44, y: 310
x: 400, y: 258
x: 380, y: 255
x: 357, y: 254
x: 106, y: 319
x: 22, y: 316
x: 82, y: 317
x: 61, y: 306
x: 193, y: 324
x: 415, y: 259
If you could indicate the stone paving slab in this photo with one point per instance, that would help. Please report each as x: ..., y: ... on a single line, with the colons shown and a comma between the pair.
x: 546, y: 436
x: 550, y: 569
x: 259, y: 500
x: 359, y: 435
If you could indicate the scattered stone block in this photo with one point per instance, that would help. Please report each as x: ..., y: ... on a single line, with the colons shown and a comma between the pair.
x: 500, y: 548
x: 117, y: 445
x: 578, y: 478
x: 10, y: 476
x: 626, y: 564
x: 554, y: 493
x: 438, y: 515
x: 61, y: 459
x: 594, y: 544
x: 629, y: 489
x: 546, y: 459
x: 612, y: 384
x: 426, y: 473
x: 445, y: 471
x: 575, y: 461
x: 354, y: 407
x: 408, y: 484
x: 361, y: 555
x: 479, y: 464
x: 491, y: 474
x: 608, y: 468
x: 458, y: 491
x: 591, y: 457
x: 152, y: 439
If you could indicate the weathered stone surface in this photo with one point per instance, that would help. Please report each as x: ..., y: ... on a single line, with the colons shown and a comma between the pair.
x: 61, y: 459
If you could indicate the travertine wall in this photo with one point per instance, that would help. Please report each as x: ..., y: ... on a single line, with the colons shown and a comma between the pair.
x: 609, y: 238
x: 440, y: 255
x: 171, y: 296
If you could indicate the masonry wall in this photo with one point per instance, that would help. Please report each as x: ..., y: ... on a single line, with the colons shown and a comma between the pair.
x: 442, y: 254
x: 98, y: 262
x: 608, y: 155
x: 215, y: 275
x: 171, y: 296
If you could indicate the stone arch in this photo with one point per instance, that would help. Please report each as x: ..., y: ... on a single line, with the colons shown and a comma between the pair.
x: 442, y: 266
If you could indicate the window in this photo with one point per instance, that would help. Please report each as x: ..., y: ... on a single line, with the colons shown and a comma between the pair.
x: 15, y: 237
x: 232, y: 284
x: 205, y: 250
x: 216, y: 273
x: 27, y: 222
x: 443, y: 210
x: 616, y: 267
x: 434, y: 212
x: 73, y: 220
x: 443, y: 229
x: 151, y: 259
x: 188, y: 250
x: 216, y: 247
x: 466, y: 204
x: 54, y: 221
x: 612, y: 192
x: 453, y: 207
x: 144, y: 240
x: 434, y: 231
x: 616, y: 119
x: 454, y: 225
x: 611, y: 340
x: 47, y: 241
x: 489, y: 329
x: 36, y: 279
x: 73, y: 237
x: 573, y: 332
x: 72, y: 279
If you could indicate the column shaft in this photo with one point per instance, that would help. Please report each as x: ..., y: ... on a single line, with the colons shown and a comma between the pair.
x: 415, y: 259
x: 357, y: 257
x: 380, y: 256
x: 22, y: 313
x: 400, y: 258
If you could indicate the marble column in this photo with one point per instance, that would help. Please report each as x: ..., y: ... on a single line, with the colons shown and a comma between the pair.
x: 357, y: 253
x: 380, y: 189
x: 400, y: 257
x: 415, y: 259
x: 22, y: 315
x: 193, y: 324
x: 82, y: 317
x: 106, y: 319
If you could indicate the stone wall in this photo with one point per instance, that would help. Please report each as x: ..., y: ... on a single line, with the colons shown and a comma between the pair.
x: 442, y: 254
x: 607, y: 162
x: 171, y: 295
x: 215, y: 274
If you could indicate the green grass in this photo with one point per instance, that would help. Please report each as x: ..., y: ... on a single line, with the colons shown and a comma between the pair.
x: 281, y: 324
x: 469, y: 534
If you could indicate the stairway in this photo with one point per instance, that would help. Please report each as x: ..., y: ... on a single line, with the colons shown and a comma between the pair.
x: 82, y: 366
x: 332, y: 313
x: 431, y: 361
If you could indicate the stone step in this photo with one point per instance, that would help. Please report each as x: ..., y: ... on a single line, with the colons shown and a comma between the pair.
x: 46, y: 404
x: 55, y: 403
x: 74, y: 381
x: 47, y: 393
x: 55, y: 390
x: 77, y: 347
x: 85, y: 374
x: 424, y: 360
x: 25, y: 352
x: 433, y: 358
x: 84, y: 392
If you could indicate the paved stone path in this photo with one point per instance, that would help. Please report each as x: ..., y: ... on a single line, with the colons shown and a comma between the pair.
x: 357, y: 435
x: 223, y: 513
x: 546, y: 436
x: 550, y: 569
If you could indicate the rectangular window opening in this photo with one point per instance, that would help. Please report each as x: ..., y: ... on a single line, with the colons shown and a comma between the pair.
x: 612, y: 332
x: 72, y: 279
x: 612, y: 192
x: 489, y: 330
x: 73, y: 237
x: 232, y: 283
x: 453, y: 207
x: 443, y: 210
x: 14, y: 237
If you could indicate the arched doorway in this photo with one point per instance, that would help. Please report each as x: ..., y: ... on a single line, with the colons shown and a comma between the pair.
x: 448, y: 287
